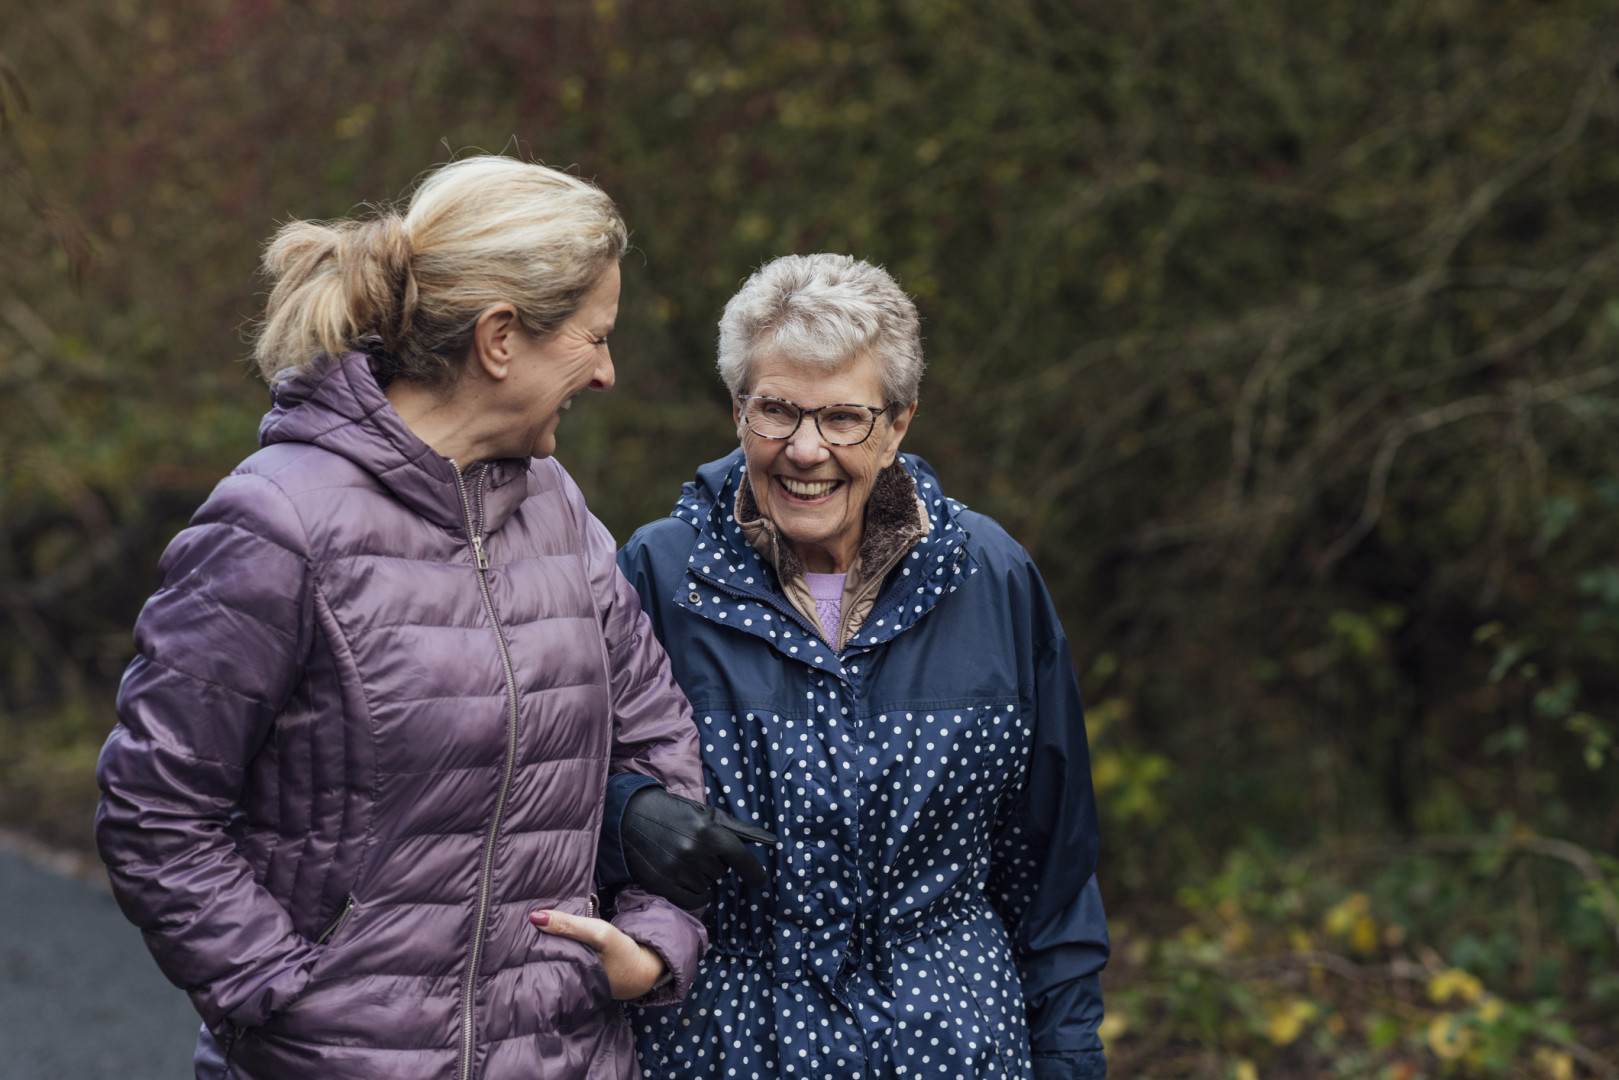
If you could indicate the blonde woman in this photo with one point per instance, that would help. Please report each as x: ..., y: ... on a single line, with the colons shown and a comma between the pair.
x: 354, y: 797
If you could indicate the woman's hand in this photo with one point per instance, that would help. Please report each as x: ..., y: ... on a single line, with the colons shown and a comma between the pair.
x: 631, y: 967
x: 678, y: 848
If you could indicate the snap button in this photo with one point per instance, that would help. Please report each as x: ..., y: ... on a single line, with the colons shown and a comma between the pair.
x: 694, y: 598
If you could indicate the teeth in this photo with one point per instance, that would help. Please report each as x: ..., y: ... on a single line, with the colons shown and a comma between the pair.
x: 808, y: 490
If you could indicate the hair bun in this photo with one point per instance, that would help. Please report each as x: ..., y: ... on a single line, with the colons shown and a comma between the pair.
x: 376, y: 266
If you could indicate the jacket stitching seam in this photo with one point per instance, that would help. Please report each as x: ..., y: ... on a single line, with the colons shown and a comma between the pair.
x: 343, y: 654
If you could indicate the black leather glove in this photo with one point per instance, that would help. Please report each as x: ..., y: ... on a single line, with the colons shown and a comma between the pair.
x: 678, y: 848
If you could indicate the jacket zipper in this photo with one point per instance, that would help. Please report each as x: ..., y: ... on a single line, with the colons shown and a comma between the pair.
x: 486, y: 874
x: 337, y: 924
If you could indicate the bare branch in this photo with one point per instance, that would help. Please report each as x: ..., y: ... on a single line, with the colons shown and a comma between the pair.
x: 1420, y: 423
x: 1450, y: 233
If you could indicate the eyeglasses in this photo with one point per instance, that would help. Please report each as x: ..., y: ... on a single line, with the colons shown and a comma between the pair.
x: 778, y: 418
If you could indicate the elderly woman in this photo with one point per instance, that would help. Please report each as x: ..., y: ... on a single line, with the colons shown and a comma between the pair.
x: 878, y: 677
x: 354, y: 796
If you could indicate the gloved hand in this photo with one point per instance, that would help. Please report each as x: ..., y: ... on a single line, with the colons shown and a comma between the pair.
x: 678, y: 848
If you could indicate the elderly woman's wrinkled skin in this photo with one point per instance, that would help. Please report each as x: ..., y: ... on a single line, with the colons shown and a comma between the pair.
x: 824, y: 528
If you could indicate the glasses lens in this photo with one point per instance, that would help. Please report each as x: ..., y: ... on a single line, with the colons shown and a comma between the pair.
x: 844, y: 425
x: 771, y: 418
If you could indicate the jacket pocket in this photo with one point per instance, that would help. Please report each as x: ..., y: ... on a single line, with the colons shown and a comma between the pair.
x: 334, y: 941
x: 565, y: 982
x: 329, y: 1009
x: 336, y: 925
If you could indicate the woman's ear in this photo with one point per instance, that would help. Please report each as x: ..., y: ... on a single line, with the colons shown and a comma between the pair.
x: 736, y: 416
x: 897, y: 427
x: 494, y: 340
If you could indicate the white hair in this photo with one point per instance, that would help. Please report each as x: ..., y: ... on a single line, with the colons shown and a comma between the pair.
x: 823, y: 311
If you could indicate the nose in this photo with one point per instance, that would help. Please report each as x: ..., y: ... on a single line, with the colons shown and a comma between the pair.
x: 602, y: 378
x: 805, y: 447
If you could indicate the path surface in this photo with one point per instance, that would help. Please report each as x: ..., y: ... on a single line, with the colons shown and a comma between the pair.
x: 79, y: 995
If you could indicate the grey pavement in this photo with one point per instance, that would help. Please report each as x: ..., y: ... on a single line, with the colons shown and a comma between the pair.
x: 79, y: 994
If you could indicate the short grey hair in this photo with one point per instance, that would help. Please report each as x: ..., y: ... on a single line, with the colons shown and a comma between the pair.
x: 823, y: 311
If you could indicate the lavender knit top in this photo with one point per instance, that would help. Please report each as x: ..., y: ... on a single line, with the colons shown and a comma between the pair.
x: 828, y: 592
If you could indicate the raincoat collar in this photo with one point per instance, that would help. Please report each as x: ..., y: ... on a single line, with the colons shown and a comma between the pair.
x: 728, y: 582
x: 895, y: 519
x: 336, y: 404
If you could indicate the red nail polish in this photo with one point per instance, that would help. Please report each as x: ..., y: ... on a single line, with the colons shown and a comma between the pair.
x: 539, y: 918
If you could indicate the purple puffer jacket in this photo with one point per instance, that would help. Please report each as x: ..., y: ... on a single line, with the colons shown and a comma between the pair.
x: 367, y: 731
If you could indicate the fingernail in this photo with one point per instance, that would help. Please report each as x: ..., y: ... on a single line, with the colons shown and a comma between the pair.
x: 539, y: 918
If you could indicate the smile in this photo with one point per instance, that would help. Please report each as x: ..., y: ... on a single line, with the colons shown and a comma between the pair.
x: 809, y: 489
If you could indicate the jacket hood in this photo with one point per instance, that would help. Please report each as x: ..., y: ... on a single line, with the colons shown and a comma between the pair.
x: 336, y: 404
x: 701, y: 492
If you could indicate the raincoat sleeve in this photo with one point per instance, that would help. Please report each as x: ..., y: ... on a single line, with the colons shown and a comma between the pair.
x: 219, y: 649
x: 1043, y: 881
x: 611, y: 868
x: 653, y: 735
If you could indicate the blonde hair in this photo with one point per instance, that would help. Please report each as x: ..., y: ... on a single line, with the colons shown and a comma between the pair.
x: 476, y: 232
x: 823, y: 311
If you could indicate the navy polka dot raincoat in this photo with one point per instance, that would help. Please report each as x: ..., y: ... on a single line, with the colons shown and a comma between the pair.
x: 933, y: 909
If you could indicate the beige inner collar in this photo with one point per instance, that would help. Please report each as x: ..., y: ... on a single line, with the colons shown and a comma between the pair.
x: 896, y: 519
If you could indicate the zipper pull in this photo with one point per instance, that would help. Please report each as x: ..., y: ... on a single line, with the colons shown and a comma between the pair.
x: 337, y: 924
x: 478, y: 553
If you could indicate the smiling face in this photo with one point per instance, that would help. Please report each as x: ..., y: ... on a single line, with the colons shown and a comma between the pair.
x: 816, y: 493
x: 546, y: 374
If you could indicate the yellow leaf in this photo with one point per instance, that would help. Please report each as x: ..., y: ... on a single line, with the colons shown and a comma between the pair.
x: 1557, y: 1064
x: 1287, y: 1023
x: 1341, y: 919
x: 1454, y: 983
x: 1448, y: 1038
x: 1284, y: 1028
x: 1490, y: 1009
x: 1107, y: 771
x: 1363, y: 938
x: 1246, y: 1070
x: 356, y: 121
x: 1114, y: 1024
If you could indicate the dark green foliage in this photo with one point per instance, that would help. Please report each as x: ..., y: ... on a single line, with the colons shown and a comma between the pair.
x: 1282, y: 333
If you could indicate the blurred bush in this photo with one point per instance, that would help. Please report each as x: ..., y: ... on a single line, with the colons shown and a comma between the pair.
x: 1282, y: 333
x: 1276, y: 971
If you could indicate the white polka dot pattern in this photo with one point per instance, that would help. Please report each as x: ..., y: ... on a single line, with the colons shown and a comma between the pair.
x: 879, y: 948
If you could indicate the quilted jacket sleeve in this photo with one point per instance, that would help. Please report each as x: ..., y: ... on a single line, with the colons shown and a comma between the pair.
x: 653, y: 734
x: 1044, y: 881
x: 220, y: 648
